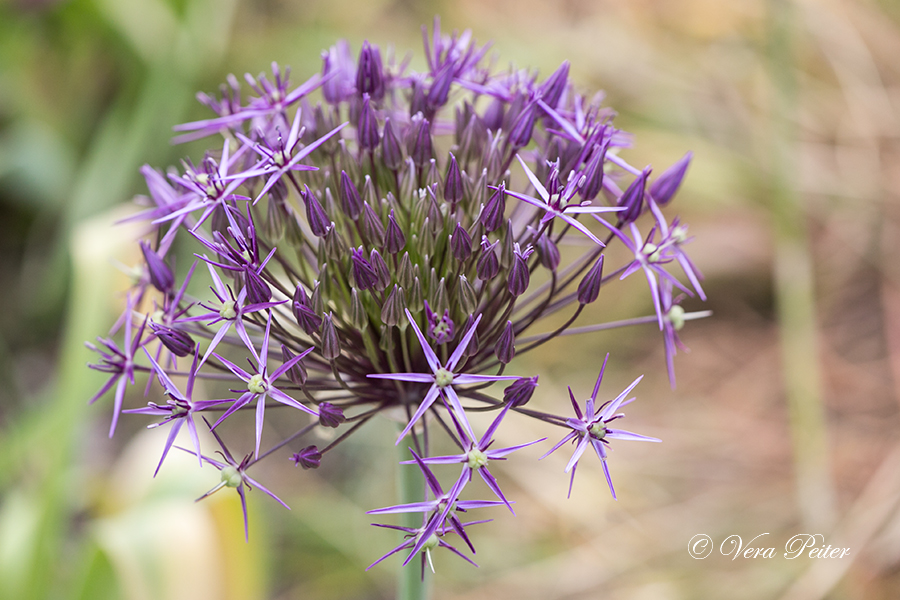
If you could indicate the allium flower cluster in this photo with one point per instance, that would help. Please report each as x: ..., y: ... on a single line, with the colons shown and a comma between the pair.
x: 383, y: 241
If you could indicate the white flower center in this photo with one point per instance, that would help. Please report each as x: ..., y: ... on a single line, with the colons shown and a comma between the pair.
x: 675, y: 316
x: 231, y: 476
x: 598, y: 430
x: 256, y: 384
x: 477, y: 458
x: 443, y: 378
x: 227, y: 311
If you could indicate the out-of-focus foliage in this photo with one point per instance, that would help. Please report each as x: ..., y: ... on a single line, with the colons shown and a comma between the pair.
x: 89, y: 90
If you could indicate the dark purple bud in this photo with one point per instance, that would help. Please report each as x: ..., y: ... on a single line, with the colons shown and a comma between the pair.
x: 330, y: 415
x: 315, y: 214
x: 308, y: 458
x: 439, y: 329
x: 350, y: 201
x: 391, y: 153
x: 488, y: 265
x: 589, y: 288
x: 505, y: 349
x: 394, y: 240
x: 633, y: 198
x: 461, y: 243
x: 306, y: 317
x: 663, y: 189
x: 418, y: 101
x: 520, y: 134
x: 178, y: 342
x: 372, y: 227
x: 519, y: 392
x: 334, y: 64
x: 440, y: 87
x: 552, y: 89
x: 453, y: 183
x: 363, y: 273
x: 382, y: 273
x: 367, y: 126
x: 160, y: 274
x: 593, y: 173
x: 258, y: 290
x: 492, y: 213
x: 548, y: 252
x: 331, y: 344
x: 473, y: 138
x: 519, y: 276
x: 369, y: 72
x: 297, y: 374
x: 493, y: 115
x: 393, y: 308
x: 421, y: 149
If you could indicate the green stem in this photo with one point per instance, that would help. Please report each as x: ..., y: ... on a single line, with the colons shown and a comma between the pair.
x: 411, y: 487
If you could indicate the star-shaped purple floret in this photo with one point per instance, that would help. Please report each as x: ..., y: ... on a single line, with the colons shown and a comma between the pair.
x: 442, y: 378
x: 477, y: 455
x: 179, y: 408
x: 590, y: 428
x: 261, y: 384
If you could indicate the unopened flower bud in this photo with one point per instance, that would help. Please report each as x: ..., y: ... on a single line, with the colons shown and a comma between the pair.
x: 330, y: 415
x: 505, y: 349
x: 488, y: 265
x: 519, y: 392
x: 160, y: 273
x: 331, y: 344
x: 177, y: 341
x: 308, y: 458
x: 663, y: 189
x: 297, y: 373
x: 461, y: 243
x: 350, y: 201
x: 589, y: 288
x: 633, y: 198
x: 394, y: 305
x: 394, y: 238
x: 492, y: 213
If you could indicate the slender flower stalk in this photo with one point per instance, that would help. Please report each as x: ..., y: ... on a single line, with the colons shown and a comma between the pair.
x: 365, y: 258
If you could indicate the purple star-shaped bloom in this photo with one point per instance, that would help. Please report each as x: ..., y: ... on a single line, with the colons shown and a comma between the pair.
x: 590, y: 428
x: 234, y: 475
x: 478, y: 454
x: 178, y: 409
x: 647, y: 256
x: 442, y: 378
x: 118, y: 362
x: 561, y: 205
x: 261, y: 384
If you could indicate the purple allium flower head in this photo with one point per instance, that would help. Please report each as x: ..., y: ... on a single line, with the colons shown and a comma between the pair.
x: 308, y: 458
x: 372, y: 287
x: 590, y: 428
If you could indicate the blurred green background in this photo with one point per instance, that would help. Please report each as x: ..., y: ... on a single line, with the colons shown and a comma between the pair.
x: 785, y: 419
